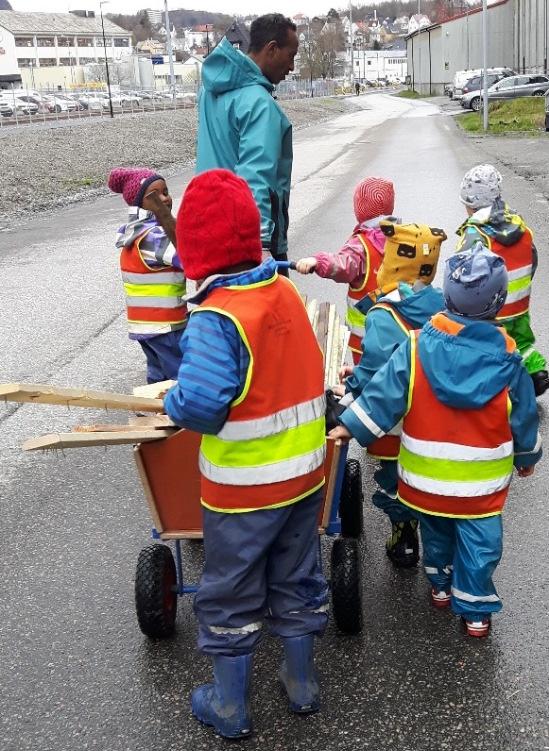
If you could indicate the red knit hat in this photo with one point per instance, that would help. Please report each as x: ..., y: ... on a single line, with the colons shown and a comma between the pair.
x: 373, y: 197
x: 132, y: 182
x: 218, y: 224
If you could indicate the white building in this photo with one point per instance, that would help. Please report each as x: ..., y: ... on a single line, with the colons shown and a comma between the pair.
x: 50, y: 50
x: 371, y: 65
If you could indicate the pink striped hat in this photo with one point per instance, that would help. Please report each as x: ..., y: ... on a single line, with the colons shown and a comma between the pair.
x: 373, y: 197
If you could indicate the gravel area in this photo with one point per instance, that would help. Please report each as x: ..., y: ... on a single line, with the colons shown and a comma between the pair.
x: 47, y: 166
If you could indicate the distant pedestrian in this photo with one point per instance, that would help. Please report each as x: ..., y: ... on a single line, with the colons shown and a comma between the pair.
x: 469, y: 414
x: 242, y: 128
x: 491, y: 221
x: 154, y: 282
x: 359, y: 260
x: 357, y: 88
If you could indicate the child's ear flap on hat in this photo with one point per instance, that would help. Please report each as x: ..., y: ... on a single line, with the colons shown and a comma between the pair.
x: 388, y: 228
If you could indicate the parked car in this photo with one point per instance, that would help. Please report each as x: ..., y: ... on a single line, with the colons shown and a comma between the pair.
x: 5, y: 109
x: 72, y: 104
x: 547, y: 111
x: 516, y: 86
x: 55, y: 103
x: 471, y: 98
x: 19, y: 105
x: 40, y: 102
x: 91, y: 101
x: 474, y: 82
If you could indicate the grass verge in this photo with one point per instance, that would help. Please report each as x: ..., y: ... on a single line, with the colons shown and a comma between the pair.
x: 408, y: 94
x: 524, y: 115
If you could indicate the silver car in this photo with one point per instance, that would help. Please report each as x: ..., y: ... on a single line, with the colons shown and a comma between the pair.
x: 516, y: 86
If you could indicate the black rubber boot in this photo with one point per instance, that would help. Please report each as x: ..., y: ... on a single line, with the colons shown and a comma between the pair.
x: 403, y: 544
x: 541, y: 381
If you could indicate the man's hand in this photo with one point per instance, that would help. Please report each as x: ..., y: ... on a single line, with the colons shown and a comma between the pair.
x: 344, y: 372
x: 526, y: 471
x: 306, y: 265
x: 340, y: 433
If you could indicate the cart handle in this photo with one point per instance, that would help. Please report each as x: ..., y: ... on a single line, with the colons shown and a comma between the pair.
x: 285, y: 264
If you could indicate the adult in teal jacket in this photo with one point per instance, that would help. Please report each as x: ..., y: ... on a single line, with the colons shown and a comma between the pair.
x: 241, y: 127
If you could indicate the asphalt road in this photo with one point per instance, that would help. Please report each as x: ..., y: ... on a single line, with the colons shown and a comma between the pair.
x: 76, y: 673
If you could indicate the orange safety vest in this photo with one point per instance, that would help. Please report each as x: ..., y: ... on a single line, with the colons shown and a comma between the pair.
x: 154, y: 297
x: 388, y: 446
x: 355, y: 319
x: 518, y: 262
x: 270, y: 451
x: 454, y: 462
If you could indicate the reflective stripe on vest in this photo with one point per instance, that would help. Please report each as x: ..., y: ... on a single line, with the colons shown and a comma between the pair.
x: 270, y: 452
x: 355, y: 319
x: 388, y: 446
x: 453, y: 462
x: 154, y: 297
x: 518, y: 262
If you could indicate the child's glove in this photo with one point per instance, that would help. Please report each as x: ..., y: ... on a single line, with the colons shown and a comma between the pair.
x: 306, y: 265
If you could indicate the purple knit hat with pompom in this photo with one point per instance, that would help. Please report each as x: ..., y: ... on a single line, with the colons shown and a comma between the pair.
x: 132, y: 182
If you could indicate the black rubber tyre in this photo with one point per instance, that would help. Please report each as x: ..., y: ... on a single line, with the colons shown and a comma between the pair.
x: 155, y: 595
x: 351, y: 501
x: 346, y: 593
x: 538, y: 93
x: 475, y: 104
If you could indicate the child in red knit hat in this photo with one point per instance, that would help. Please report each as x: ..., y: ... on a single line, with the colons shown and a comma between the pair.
x: 262, y: 452
x: 358, y: 261
x: 154, y: 283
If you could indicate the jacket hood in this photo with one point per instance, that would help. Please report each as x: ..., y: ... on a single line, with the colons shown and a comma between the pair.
x: 226, y: 69
x: 139, y: 221
x: 416, y: 304
x: 468, y: 366
x: 498, y: 221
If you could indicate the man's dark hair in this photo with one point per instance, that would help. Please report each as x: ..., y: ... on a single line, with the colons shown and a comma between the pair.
x: 273, y: 27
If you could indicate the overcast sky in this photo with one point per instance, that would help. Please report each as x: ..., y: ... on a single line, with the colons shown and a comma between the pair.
x: 290, y: 7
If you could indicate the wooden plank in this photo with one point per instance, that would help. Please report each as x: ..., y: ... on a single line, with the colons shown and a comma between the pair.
x: 41, y: 393
x: 150, y: 421
x: 84, y: 440
x: 153, y: 390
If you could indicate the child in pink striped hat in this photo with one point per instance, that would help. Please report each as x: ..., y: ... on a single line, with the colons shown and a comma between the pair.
x: 358, y: 261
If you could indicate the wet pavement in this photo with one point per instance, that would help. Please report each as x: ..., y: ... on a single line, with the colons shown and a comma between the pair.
x: 76, y: 671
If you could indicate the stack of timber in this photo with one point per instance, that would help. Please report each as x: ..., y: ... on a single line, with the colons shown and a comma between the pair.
x: 332, y: 337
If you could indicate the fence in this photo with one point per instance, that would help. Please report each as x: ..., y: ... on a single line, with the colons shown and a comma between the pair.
x: 25, y: 106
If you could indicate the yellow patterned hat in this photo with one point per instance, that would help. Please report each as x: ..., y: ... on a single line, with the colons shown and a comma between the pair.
x: 411, y: 253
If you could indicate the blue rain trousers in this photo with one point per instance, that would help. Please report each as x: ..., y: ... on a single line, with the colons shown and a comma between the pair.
x: 260, y: 565
x: 163, y: 356
x: 385, y: 494
x: 460, y: 556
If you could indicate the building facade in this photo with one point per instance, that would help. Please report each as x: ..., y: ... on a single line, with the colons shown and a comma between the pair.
x: 517, y: 38
x: 373, y: 65
x: 42, y: 50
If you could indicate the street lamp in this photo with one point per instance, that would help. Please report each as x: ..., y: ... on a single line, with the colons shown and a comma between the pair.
x: 101, y: 4
x: 169, y: 46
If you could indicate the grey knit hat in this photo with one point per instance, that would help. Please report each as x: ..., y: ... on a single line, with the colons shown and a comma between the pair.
x: 481, y: 186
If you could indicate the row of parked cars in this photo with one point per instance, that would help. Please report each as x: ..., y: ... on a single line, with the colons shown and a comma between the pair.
x: 502, y: 83
x: 25, y: 102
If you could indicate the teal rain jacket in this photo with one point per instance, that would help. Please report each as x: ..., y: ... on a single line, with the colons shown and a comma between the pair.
x: 241, y: 128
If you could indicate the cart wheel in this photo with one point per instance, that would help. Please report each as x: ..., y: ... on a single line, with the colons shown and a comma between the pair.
x: 346, y: 596
x: 351, y: 501
x: 155, y: 595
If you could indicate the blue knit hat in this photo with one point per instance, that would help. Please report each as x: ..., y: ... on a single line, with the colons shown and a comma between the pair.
x: 475, y: 283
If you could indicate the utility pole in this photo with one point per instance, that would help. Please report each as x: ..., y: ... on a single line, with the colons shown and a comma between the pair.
x: 485, y: 64
x: 352, y: 77
x: 101, y: 4
x: 169, y: 46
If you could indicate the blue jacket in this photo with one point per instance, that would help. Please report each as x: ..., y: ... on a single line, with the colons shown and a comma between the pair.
x: 383, y: 335
x: 465, y: 371
x: 241, y: 128
x: 214, y: 360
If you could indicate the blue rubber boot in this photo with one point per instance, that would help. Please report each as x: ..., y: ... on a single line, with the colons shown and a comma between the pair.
x: 224, y: 704
x: 298, y: 674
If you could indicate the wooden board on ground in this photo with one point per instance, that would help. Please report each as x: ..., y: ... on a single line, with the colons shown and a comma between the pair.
x: 40, y: 393
x: 82, y: 440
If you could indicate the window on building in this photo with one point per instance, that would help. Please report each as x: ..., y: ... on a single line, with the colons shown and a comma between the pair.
x: 66, y: 61
x: 87, y: 61
x: 65, y: 42
x: 24, y: 42
x: 45, y: 41
x: 47, y: 62
x: 85, y: 41
x: 369, y: 62
x: 99, y: 41
x: 121, y: 42
x: 25, y: 62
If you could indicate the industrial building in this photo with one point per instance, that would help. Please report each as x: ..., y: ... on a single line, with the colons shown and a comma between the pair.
x: 517, y: 38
